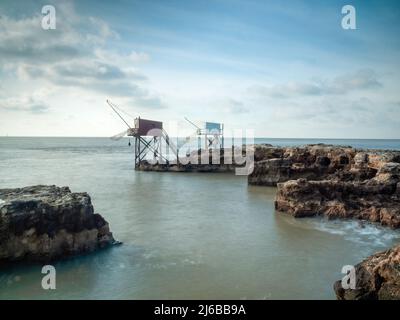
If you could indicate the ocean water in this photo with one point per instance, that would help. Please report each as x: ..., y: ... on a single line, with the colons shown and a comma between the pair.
x: 186, y: 236
x: 390, y: 144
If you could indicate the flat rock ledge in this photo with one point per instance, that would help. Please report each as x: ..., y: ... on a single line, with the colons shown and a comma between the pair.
x: 373, y: 201
x: 44, y: 223
x: 275, y: 165
x: 335, y: 181
x: 377, y: 278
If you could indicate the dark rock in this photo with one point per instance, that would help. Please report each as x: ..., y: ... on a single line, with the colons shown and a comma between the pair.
x: 373, y: 200
x: 322, y: 162
x: 265, y: 152
x: 363, y: 185
x: 270, y: 172
x: 48, y: 222
x: 313, y: 162
x: 377, y: 278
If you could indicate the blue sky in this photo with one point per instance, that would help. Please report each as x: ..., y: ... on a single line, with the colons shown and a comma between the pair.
x: 282, y: 68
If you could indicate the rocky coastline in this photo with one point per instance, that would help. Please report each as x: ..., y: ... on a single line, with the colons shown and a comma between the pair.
x: 377, y: 278
x: 340, y: 182
x: 44, y: 223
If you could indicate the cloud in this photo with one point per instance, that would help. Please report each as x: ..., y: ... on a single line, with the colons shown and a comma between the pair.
x: 38, y: 108
x: 28, y: 104
x: 236, y: 107
x: 92, y: 70
x: 359, y: 80
x: 75, y: 55
x: 139, y: 56
x: 149, y: 102
x: 359, y: 113
x: 89, y: 74
x: 25, y: 40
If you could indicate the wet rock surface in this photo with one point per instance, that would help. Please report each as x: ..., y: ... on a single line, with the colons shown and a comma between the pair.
x: 377, y: 278
x: 342, y: 182
x: 41, y: 223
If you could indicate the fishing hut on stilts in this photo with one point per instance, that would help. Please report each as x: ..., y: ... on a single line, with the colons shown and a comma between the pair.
x: 149, y: 137
x: 152, y: 141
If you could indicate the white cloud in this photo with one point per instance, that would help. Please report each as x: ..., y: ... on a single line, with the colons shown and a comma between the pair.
x: 25, y: 103
x: 359, y: 80
x: 80, y: 65
x: 236, y: 107
x: 75, y: 55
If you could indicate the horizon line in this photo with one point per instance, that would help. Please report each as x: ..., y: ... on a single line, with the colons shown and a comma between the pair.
x: 226, y: 137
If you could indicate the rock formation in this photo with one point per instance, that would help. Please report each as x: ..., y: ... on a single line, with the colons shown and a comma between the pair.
x: 41, y: 223
x: 364, y: 186
x: 372, y: 200
x: 377, y: 277
x: 341, y: 182
x: 313, y: 162
x: 274, y: 165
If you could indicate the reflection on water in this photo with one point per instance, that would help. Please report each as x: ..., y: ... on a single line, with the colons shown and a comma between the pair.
x: 201, y: 236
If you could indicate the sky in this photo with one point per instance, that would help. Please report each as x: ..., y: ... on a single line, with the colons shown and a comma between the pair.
x: 286, y: 69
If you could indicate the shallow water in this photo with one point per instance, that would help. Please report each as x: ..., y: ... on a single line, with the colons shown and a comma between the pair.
x: 185, y: 236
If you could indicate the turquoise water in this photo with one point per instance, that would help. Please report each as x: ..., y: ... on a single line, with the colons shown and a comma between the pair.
x: 187, y: 236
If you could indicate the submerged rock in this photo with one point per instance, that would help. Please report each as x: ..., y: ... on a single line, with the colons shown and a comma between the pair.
x: 377, y: 277
x: 40, y: 223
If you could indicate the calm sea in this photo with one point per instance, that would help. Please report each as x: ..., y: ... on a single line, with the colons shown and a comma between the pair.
x: 186, y: 236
